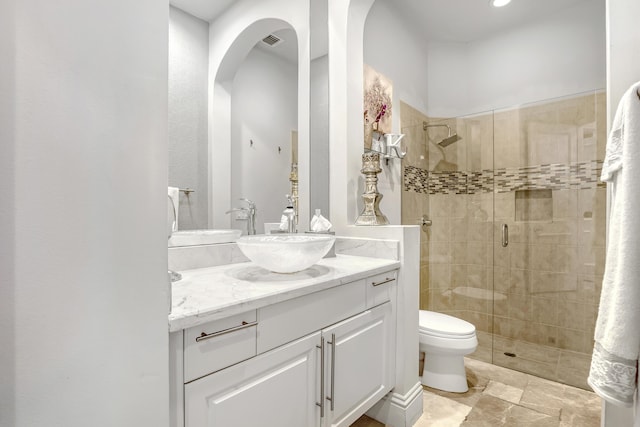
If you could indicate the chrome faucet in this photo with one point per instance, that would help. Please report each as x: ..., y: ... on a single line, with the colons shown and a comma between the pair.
x: 250, y: 212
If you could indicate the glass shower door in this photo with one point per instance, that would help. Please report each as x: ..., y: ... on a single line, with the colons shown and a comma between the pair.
x: 459, y: 244
x: 548, y: 233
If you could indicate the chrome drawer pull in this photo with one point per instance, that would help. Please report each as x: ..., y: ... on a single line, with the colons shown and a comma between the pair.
x: 204, y: 336
x: 386, y: 280
x: 333, y: 370
x: 321, y: 404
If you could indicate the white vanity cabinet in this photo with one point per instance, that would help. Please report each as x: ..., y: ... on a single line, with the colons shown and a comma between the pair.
x: 318, y: 360
x: 277, y: 388
x: 358, y: 369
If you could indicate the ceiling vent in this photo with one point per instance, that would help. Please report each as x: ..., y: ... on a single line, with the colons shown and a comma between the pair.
x: 272, y: 40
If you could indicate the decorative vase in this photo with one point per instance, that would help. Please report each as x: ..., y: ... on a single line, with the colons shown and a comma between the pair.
x: 371, y: 214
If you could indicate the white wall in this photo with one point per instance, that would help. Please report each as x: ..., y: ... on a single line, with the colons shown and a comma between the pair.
x: 84, y: 291
x: 319, y: 136
x: 396, y: 53
x: 391, y: 49
x: 623, y: 69
x: 346, y: 21
x: 560, y: 55
x: 448, y: 74
x: 264, y: 109
x: 188, y: 144
x: 623, y: 45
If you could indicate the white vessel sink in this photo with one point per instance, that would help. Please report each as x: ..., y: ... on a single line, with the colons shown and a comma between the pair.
x: 285, y: 253
x: 203, y: 237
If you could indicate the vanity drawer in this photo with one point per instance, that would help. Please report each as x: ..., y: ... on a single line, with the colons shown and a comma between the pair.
x: 380, y: 287
x: 289, y: 320
x: 218, y: 344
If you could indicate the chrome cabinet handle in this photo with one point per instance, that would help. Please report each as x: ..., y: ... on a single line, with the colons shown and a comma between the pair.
x: 505, y: 235
x: 386, y: 280
x: 204, y: 336
x: 333, y: 369
x: 321, y: 404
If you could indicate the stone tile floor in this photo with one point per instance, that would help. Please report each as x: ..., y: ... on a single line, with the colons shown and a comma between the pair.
x: 502, y: 397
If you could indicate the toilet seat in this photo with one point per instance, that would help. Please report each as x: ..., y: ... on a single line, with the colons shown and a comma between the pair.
x: 444, y: 326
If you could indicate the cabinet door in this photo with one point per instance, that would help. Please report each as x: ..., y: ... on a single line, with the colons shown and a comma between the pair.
x: 359, y: 364
x: 275, y: 389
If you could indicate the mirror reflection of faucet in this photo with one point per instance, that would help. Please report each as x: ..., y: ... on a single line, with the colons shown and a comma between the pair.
x: 174, y: 199
x: 171, y: 227
x: 246, y: 214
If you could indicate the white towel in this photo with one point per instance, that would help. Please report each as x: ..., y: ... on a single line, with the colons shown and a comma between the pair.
x: 174, y: 195
x: 615, y: 355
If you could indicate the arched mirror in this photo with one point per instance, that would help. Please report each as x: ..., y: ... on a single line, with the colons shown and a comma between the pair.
x: 239, y: 110
x: 264, y: 123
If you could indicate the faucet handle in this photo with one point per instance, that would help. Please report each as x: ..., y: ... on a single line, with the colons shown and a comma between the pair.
x: 251, y: 204
x: 237, y: 210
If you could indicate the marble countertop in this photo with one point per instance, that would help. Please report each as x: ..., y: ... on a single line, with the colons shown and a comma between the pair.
x: 207, y: 294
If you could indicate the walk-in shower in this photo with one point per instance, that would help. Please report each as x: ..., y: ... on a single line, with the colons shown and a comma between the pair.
x: 534, y: 169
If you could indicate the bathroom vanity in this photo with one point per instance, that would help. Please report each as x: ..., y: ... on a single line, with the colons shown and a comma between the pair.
x: 313, y: 348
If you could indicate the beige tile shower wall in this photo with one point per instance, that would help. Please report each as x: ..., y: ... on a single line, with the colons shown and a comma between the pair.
x: 563, y: 131
x: 461, y: 257
x: 415, y: 204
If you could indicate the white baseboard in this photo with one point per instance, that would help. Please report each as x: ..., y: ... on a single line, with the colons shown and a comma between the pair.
x: 397, y: 410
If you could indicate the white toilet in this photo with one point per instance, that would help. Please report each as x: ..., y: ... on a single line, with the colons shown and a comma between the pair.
x: 445, y: 340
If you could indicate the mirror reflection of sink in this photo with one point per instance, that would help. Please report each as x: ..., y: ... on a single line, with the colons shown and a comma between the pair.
x: 203, y: 237
x: 285, y: 253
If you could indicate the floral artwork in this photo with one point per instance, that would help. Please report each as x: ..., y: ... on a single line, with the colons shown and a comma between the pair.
x: 377, y: 103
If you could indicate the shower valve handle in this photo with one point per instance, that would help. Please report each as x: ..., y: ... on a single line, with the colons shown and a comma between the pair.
x: 425, y: 222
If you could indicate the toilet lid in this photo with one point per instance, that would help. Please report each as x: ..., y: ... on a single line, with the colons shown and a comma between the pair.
x: 439, y: 324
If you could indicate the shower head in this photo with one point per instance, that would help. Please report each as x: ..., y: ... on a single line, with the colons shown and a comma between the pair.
x: 450, y: 139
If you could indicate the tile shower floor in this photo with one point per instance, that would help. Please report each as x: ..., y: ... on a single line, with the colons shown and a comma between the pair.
x: 502, y: 397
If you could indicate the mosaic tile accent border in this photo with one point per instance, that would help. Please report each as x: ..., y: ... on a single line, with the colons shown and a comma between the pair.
x: 448, y: 183
x: 416, y: 179
x: 574, y: 176
x: 480, y: 182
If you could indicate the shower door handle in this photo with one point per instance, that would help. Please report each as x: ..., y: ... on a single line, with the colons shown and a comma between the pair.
x: 505, y: 235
